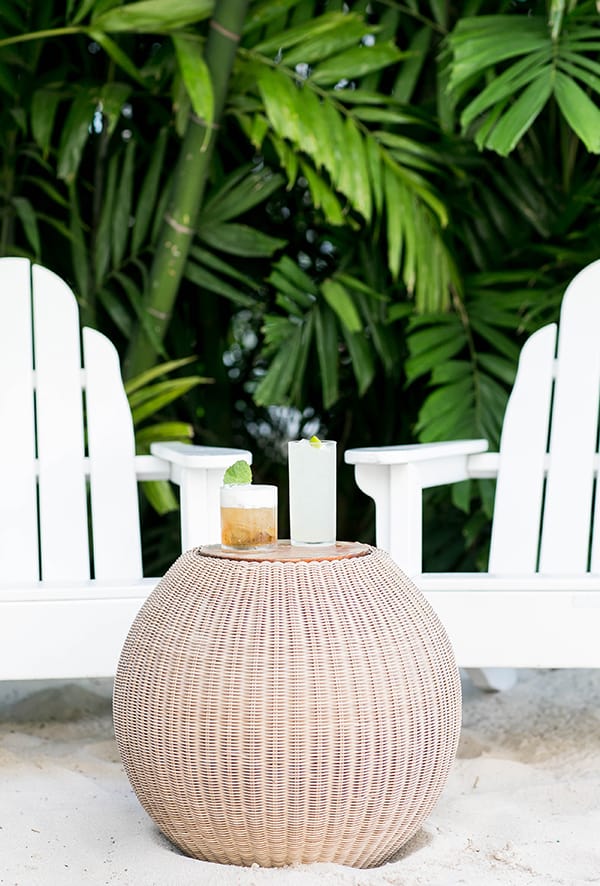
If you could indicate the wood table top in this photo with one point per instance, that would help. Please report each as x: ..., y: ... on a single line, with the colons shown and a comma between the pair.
x: 285, y: 550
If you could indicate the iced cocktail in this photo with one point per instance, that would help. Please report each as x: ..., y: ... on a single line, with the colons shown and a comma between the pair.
x: 248, y: 517
x: 312, y: 478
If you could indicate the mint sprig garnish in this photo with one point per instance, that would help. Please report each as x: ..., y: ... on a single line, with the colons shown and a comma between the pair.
x: 238, y: 474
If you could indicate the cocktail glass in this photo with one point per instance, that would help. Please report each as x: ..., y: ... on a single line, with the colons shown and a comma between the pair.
x: 248, y: 517
x: 312, y: 479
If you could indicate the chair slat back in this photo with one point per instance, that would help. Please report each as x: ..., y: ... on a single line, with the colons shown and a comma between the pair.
x: 543, y: 521
x: 567, y: 522
x: 59, y: 426
x: 47, y: 528
x: 111, y: 447
x: 523, y: 445
x: 19, y: 557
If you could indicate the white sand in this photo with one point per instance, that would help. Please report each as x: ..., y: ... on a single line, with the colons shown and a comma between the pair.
x: 521, y: 807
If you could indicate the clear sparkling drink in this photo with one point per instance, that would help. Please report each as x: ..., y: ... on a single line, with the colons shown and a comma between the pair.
x: 312, y: 479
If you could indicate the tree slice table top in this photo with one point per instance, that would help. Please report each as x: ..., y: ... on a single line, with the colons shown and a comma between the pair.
x: 284, y: 550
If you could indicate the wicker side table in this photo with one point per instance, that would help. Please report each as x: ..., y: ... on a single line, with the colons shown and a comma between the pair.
x: 287, y: 710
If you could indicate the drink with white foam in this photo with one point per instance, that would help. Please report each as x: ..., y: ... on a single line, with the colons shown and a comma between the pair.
x: 312, y: 479
x: 248, y: 517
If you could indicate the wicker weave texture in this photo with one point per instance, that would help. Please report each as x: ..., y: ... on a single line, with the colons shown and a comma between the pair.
x: 280, y: 713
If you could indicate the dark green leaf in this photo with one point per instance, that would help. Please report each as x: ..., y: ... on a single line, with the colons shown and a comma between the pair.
x: 362, y: 359
x: 196, y: 76
x: 447, y: 398
x: 154, y: 16
x: 144, y: 208
x: 85, y: 7
x: 275, y: 385
x: 205, y: 280
x: 296, y: 276
x: 44, y: 104
x: 324, y: 27
x: 420, y: 363
x: 152, y: 398
x: 210, y: 260
x: 450, y: 371
x: 75, y: 133
x: 27, y: 217
x: 348, y: 33
x: 48, y: 187
x: 103, y: 237
x: 79, y: 254
x: 482, y: 41
x: 144, y: 318
x: 461, y: 495
x: 520, y: 116
x: 262, y: 14
x: 164, y: 430
x: 116, y: 309
x: 123, y: 209
x: 114, y: 51
x: 355, y: 63
x: 508, y: 83
x: 237, y: 239
x: 327, y: 352
x: 500, y: 342
x: 238, y: 194
x: 143, y: 378
x: 582, y: 115
x: 503, y: 369
x: 413, y: 64
x: 161, y: 496
x: 113, y: 97
x: 323, y: 197
x: 339, y: 299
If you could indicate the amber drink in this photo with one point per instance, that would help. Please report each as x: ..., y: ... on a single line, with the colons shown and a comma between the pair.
x: 248, y: 517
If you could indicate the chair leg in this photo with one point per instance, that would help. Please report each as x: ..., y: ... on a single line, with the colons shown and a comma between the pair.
x: 492, y: 679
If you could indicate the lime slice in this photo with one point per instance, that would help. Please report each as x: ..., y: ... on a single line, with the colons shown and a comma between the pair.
x: 238, y: 474
x: 314, y: 441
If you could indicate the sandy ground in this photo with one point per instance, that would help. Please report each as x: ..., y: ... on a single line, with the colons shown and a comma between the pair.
x: 521, y: 807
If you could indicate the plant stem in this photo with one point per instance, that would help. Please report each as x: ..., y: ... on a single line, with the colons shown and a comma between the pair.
x: 191, y: 173
x: 41, y: 35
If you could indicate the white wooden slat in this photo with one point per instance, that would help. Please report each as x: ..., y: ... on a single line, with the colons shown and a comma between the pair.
x: 489, y: 627
x: 523, y: 445
x: 62, y: 488
x: 594, y: 283
x: 570, y: 481
x: 111, y: 447
x: 70, y: 638
x: 18, y: 502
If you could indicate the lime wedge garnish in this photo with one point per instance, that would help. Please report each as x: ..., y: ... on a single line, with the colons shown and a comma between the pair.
x: 238, y: 474
x: 314, y: 441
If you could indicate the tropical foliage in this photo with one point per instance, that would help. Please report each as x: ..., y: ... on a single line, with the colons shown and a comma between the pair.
x: 348, y: 215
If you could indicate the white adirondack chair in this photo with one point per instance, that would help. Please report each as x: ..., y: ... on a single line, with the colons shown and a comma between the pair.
x: 538, y: 605
x: 71, y: 577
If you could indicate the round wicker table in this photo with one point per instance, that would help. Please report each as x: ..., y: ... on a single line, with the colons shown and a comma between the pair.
x: 287, y: 707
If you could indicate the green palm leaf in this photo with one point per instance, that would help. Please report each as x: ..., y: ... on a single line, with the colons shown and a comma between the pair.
x: 153, y: 16
x: 355, y: 63
x: 552, y: 58
x: 517, y: 119
x: 580, y: 112
x: 196, y: 76
x: 238, y: 239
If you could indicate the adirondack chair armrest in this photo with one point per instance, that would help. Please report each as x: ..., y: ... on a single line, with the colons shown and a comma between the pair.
x: 395, y: 476
x: 186, y: 455
x: 198, y: 471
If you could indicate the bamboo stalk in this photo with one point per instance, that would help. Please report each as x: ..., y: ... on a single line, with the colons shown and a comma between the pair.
x: 191, y: 173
